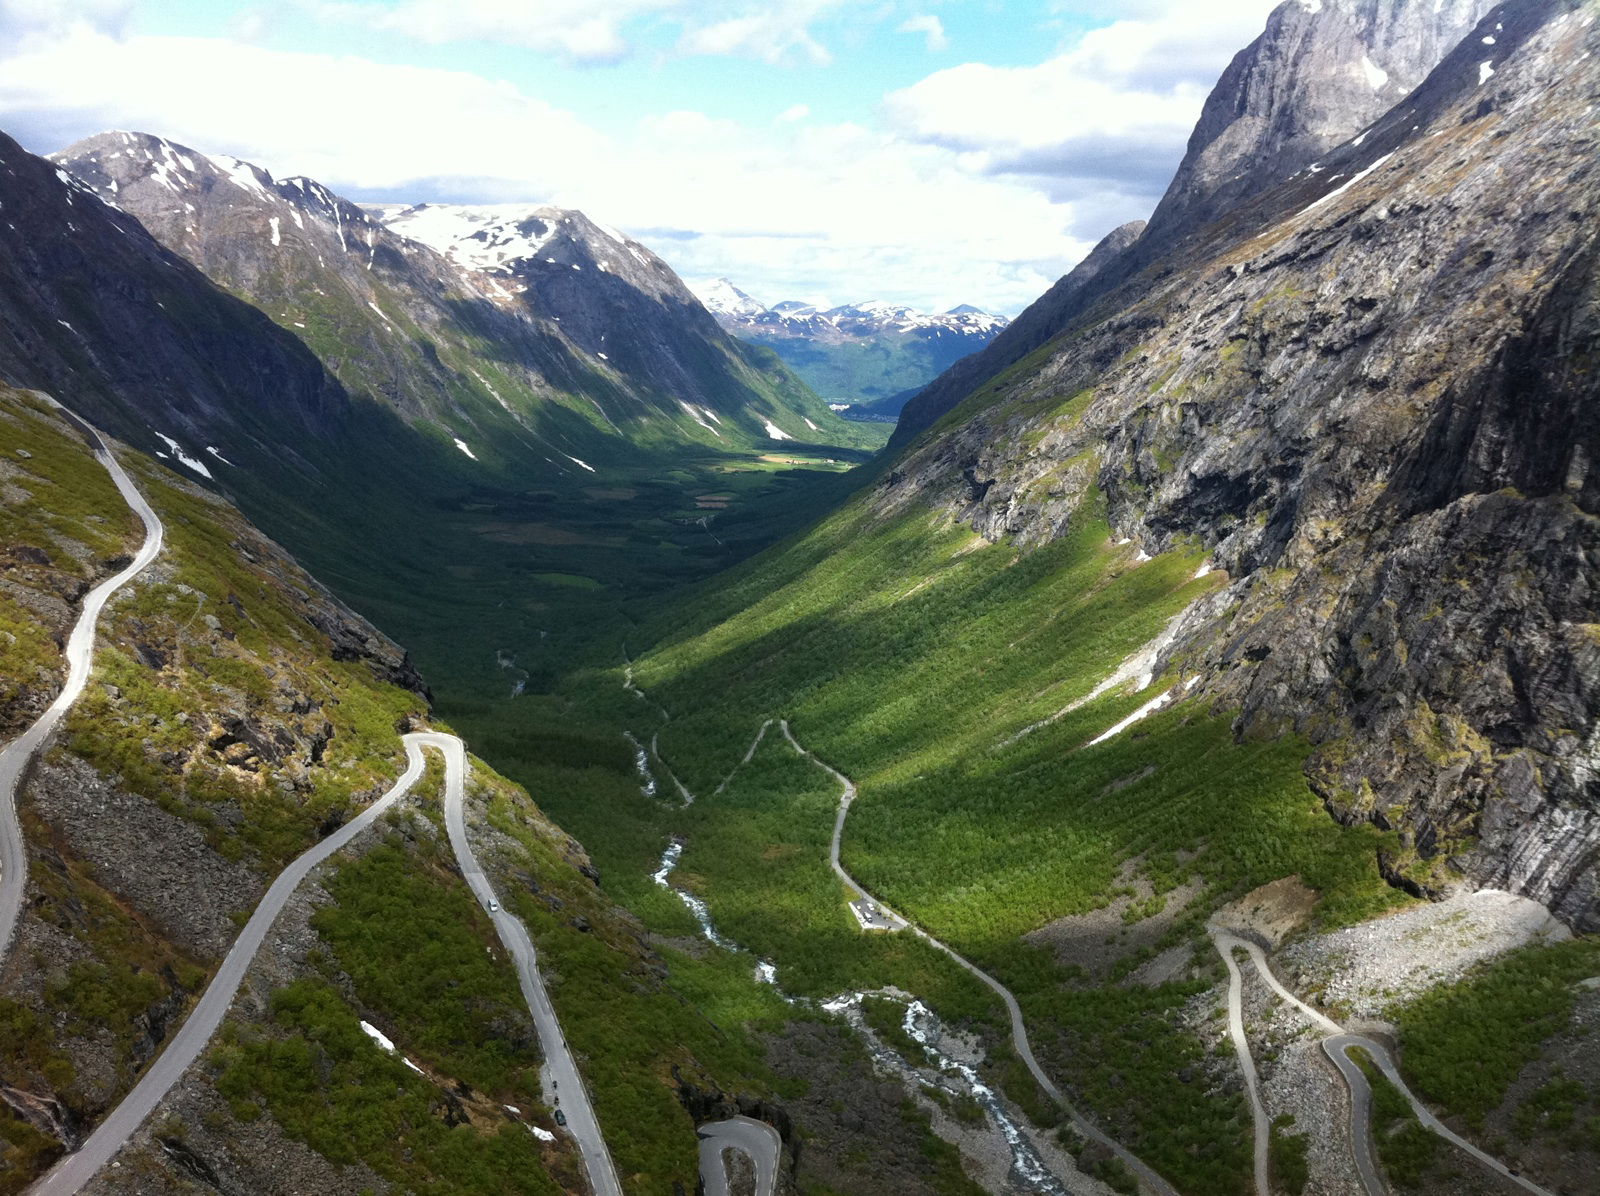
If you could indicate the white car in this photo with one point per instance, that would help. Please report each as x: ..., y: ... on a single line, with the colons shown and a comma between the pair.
x: 494, y: 906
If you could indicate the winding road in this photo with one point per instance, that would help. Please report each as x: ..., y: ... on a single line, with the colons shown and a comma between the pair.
x: 1148, y: 1179
x: 749, y: 755
x: 19, y: 753
x: 1247, y: 1064
x: 757, y: 1140
x: 74, y: 1171
x: 1355, y: 1080
x: 71, y: 1173
x: 1336, y: 1046
x: 559, y: 1063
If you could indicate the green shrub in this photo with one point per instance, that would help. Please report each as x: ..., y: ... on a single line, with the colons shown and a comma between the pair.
x: 1466, y: 1042
x: 1290, y: 1171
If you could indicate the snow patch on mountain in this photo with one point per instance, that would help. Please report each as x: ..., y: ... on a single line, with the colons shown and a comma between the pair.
x: 185, y: 458
x: 736, y: 310
x: 723, y: 298
x: 501, y: 237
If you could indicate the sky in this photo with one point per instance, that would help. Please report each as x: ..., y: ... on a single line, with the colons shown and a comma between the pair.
x: 927, y: 152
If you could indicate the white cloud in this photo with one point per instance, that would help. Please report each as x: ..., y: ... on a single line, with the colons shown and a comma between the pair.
x: 932, y: 27
x: 796, y: 207
x: 1105, y: 121
x: 333, y: 118
x: 583, y: 30
x: 984, y: 186
x: 32, y: 18
x: 599, y: 31
x: 777, y: 34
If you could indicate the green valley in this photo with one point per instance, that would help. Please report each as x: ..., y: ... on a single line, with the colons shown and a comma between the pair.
x: 518, y: 736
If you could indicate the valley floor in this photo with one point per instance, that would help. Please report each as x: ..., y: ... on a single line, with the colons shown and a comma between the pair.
x: 857, y: 770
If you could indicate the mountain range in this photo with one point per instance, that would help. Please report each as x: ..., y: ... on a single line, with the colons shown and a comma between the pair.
x: 865, y: 358
x: 403, y: 321
x: 1171, y: 765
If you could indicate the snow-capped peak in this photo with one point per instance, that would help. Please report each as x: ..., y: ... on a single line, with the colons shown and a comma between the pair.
x: 721, y: 297
x: 735, y: 309
x: 485, y: 237
x: 502, y: 236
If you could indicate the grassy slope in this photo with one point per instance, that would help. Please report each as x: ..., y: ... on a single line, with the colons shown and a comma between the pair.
x: 907, y: 652
x: 408, y: 948
x: 261, y: 648
x: 1466, y: 1043
x: 116, y: 969
x: 644, y: 1021
x: 58, y: 501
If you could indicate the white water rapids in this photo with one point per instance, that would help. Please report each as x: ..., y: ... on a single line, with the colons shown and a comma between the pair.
x: 924, y: 1026
x: 641, y: 764
x: 920, y: 1023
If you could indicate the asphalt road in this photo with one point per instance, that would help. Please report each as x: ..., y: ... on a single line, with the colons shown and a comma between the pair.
x: 1247, y: 1064
x: 72, y: 1172
x: 1360, y: 1110
x: 16, y: 756
x: 750, y: 754
x: 756, y: 1139
x: 1385, y: 1061
x: 1337, y: 1046
x: 869, y: 911
x: 1360, y: 1096
x: 560, y: 1067
x: 1148, y: 1179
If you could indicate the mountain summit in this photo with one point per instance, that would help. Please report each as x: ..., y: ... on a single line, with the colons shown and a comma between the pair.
x: 867, y: 356
x: 401, y: 299
x: 1320, y: 73
x: 722, y: 298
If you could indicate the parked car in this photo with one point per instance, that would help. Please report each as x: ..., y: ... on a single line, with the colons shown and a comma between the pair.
x: 561, y: 1118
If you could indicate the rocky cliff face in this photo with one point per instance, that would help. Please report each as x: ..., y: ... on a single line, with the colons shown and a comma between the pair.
x: 1371, y: 393
x: 1321, y: 72
x: 94, y: 310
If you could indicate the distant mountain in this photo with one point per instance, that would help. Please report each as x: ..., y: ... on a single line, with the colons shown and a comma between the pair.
x: 728, y: 302
x: 402, y: 314
x: 95, y: 310
x: 871, y: 355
